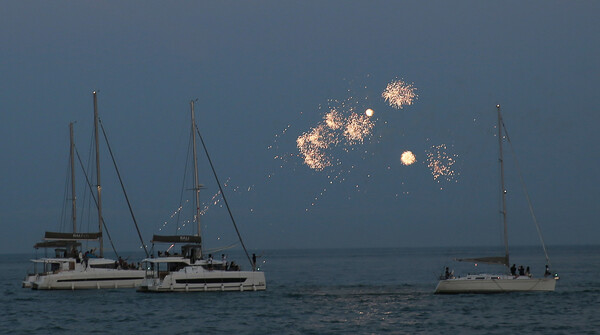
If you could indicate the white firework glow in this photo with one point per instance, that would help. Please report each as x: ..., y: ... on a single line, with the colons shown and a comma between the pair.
x: 399, y: 94
x: 358, y: 127
x: 408, y: 158
x: 334, y: 119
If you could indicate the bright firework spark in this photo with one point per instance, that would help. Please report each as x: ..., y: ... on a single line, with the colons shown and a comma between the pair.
x: 369, y: 112
x: 408, y: 158
x: 357, y: 128
x: 215, y: 200
x: 398, y: 94
x: 172, y: 215
x: 334, y: 119
x: 313, y: 145
x: 440, y: 162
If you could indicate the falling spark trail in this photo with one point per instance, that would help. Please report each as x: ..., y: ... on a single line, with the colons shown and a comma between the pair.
x: 440, y: 163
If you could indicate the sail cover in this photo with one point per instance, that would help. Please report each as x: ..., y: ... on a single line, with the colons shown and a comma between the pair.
x: 499, y: 260
x: 176, y: 239
x: 71, y: 236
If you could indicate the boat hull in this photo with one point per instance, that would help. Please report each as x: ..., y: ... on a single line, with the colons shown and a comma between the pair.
x: 494, y: 284
x: 89, y: 279
x: 206, y: 281
x: 28, y: 282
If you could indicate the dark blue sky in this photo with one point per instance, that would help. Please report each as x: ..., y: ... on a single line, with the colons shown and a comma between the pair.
x: 261, y: 67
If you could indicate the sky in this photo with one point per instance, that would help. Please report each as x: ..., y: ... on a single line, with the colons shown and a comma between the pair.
x: 265, y: 73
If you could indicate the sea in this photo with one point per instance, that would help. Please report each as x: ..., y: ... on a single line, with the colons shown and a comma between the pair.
x: 324, y: 291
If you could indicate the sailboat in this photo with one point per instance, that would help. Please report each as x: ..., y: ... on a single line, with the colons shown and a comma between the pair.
x: 70, y: 269
x: 191, y: 270
x: 511, y: 281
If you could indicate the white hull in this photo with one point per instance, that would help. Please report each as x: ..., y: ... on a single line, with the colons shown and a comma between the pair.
x: 197, y: 279
x: 68, y: 274
x: 89, y: 279
x: 495, y: 284
x: 28, y: 282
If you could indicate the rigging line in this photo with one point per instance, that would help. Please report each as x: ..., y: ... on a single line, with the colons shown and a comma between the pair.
x: 123, y: 188
x: 187, y: 158
x: 227, y: 247
x: 96, y: 202
x: 225, y: 199
x: 537, y: 226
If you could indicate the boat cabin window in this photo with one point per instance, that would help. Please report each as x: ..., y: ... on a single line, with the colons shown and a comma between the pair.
x: 104, y: 266
x: 165, y: 267
x: 173, y: 267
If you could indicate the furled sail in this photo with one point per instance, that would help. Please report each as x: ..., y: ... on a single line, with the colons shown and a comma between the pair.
x: 57, y: 244
x: 498, y: 260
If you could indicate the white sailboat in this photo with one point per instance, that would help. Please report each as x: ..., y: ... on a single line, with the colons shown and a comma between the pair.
x: 191, y: 270
x: 70, y: 269
x: 511, y: 281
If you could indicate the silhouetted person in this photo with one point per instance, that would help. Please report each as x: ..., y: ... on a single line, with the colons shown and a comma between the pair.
x: 513, y: 270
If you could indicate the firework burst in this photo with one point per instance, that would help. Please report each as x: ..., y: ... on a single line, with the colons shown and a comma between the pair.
x: 358, y: 127
x: 342, y: 129
x: 312, y: 146
x: 440, y: 163
x: 334, y: 119
x: 340, y: 126
x: 399, y: 94
x: 408, y: 158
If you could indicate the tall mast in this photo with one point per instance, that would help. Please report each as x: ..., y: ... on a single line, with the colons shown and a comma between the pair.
x: 196, y: 184
x: 99, y: 188
x: 72, y: 158
x: 503, y: 189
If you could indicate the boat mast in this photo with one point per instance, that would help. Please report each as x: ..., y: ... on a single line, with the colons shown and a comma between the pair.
x: 99, y: 188
x: 196, y: 185
x: 503, y: 189
x: 72, y: 159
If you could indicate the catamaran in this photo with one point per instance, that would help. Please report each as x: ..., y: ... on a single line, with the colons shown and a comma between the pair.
x: 69, y: 268
x: 192, y: 270
x: 511, y: 281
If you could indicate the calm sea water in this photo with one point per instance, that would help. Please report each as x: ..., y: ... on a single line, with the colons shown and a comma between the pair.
x: 358, y: 291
